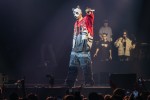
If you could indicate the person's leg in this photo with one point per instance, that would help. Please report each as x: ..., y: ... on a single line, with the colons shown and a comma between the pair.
x: 85, y: 63
x: 72, y: 71
x: 121, y: 58
x: 126, y: 58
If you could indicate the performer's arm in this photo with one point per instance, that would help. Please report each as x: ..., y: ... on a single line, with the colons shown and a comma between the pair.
x: 110, y: 54
x: 111, y: 35
x: 132, y: 45
x: 86, y: 46
x: 89, y: 12
x: 100, y: 33
x: 110, y: 50
x: 87, y: 33
x: 90, y: 20
x: 74, y: 36
x: 97, y: 50
x: 73, y: 42
x: 117, y: 42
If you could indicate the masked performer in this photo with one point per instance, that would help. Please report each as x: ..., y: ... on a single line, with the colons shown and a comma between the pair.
x: 82, y: 43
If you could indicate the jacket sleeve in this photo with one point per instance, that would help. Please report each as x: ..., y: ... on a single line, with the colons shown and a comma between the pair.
x: 117, y: 42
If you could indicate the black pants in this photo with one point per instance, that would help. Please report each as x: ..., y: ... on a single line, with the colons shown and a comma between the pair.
x: 124, y: 58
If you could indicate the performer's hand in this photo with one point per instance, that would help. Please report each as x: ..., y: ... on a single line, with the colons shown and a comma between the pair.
x: 110, y: 57
x: 106, y: 45
x: 89, y: 10
x: 120, y: 39
x: 111, y: 39
x: 95, y: 55
x: 133, y: 46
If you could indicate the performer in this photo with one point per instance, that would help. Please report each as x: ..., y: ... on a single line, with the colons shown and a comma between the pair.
x: 104, y: 46
x: 106, y: 29
x: 82, y: 43
x: 124, y: 45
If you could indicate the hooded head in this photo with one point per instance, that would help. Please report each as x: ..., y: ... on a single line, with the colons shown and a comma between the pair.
x: 77, y: 12
x: 105, y: 23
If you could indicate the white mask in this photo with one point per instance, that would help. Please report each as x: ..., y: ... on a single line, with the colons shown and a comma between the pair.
x: 76, y: 12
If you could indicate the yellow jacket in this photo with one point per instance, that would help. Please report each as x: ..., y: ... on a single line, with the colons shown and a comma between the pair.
x: 121, y: 50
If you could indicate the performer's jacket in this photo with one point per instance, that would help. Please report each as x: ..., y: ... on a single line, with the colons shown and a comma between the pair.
x: 83, y: 34
x: 124, y: 47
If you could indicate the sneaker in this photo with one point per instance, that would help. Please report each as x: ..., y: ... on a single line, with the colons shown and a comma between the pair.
x: 91, y: 84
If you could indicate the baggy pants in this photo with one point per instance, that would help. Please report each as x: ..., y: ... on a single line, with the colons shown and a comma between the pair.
x: 83, y: 60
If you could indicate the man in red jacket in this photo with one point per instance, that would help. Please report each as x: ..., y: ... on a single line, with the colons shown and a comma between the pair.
x: 82, y: 43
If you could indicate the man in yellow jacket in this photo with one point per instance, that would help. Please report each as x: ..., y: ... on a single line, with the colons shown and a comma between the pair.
x: 124, y: 45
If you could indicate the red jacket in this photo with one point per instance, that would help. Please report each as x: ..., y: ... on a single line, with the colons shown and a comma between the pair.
x: 86, y: 23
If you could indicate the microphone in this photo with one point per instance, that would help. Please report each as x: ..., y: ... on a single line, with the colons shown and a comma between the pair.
x: 89, y: 10
x: 92, y: 10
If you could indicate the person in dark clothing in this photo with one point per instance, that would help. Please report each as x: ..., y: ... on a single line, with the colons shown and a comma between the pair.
x: 103, y: 51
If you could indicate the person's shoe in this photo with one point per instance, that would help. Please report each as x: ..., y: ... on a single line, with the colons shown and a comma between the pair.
x: 91, y: 84
x: 65, y: 85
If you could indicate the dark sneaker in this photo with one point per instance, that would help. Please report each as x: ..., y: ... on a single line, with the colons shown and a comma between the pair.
x: 65, y: 85
x: 91, y: 84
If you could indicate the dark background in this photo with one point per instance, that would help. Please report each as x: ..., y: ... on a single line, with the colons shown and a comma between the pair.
x: 25, y: 25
